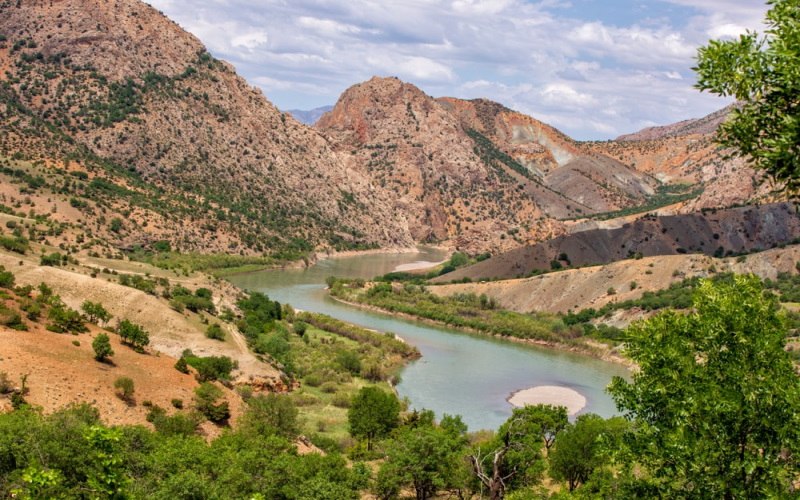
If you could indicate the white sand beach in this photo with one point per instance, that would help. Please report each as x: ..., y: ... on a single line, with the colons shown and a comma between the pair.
x: 549, y: 395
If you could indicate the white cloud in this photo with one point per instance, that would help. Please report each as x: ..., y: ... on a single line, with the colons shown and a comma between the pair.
x: 249, y: 40
x: 593, y: 78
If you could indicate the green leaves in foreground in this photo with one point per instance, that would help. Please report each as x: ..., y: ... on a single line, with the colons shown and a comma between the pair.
x: 716, y: 401
x: 763, y: 74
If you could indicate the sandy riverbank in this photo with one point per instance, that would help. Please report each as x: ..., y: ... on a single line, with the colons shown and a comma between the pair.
x: 355, y: 253
x: 419, y: 265
x: 549, y: 395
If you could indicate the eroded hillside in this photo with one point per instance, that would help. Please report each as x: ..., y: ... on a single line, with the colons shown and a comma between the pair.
x: 713, y: 232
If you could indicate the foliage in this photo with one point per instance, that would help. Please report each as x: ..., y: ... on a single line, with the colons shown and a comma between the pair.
x: 54, y: 259
x: 64, y: 319
x: 583, y: 447
x: 423, y: 456
x: 761, y: 72
x: 107, y: 478
x: 211, y: 367
x: 133, y: 334
x: 181, y: 365
x: 16, y: 244
x: 70, y: 454
x: 273, y: 414
x: 513, y: 458
x: 124, y: 387
x: 477, y: 312
x: 385, y: 341
x: 716, y: 399
x: 102, y: 347
x: 95, y: 311
x: 6, y: 278
x: 373, y: 414
x: 214, y: 331
x: 205, y: 399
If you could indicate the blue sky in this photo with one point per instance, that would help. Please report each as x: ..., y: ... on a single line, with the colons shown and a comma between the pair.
x: 593, y: 68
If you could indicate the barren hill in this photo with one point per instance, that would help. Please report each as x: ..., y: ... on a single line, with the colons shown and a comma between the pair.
x: 716, y: 232
x: 697, y: 126
x: 577, y: 289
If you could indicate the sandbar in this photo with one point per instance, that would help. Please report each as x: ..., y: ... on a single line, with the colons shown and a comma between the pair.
x: 549, y: 395
x: 417, y: 266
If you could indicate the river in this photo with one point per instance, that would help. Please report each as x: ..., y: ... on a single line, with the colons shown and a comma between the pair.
x: 459, y: 373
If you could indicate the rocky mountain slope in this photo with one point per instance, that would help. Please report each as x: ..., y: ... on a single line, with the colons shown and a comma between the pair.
x: 119, y: 92
x: 469, y: 171
x: 112, y: 112
x: 715, y: 232
x: 687, y: 153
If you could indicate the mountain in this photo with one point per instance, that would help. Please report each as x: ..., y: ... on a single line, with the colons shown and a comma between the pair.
x: 120, y: 128
x: 714, y: 232
x: 696, y: 126
x: 474, y: 173
x: 686, y: 153
x: 309, y: 117
x: 169, y: 139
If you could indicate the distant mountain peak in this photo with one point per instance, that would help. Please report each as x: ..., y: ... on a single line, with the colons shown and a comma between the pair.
x: 310, y: 116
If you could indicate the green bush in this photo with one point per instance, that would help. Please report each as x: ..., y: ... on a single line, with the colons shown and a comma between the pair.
x: 214, y: 331
x: 124, y: 388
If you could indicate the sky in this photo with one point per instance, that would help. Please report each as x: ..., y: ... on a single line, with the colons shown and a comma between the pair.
x: 594, y: 69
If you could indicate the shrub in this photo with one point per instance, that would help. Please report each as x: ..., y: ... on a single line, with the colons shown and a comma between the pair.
x: 313, y: 380
x: 245, y: 391
x: 179, y: 424
x: 349, y: 361
x: 341, y: 400
x: 6, y: 279
x: 181, y: 365
x: 329, y: 388
x: 205, y: 398
x: 102, y: 347
x: 5, y: 383
x: 214, y: 331
x: 177, y: 403
x: 124, y: 388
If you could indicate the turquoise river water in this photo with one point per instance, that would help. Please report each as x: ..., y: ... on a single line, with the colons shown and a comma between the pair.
x: 459, y: 373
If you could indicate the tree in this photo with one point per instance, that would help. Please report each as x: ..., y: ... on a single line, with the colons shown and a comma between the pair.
x: 424, y: 456
x: 181, y: 365
x: 761, y: 72
x: 373, y: 414
x: 102, y: 347
x: 271, y: 414
x: 124, y: 387
x: 95, y: 311
x: 205, y: 398
x: 106, y: 478
x: 580, y: 449
x: 716, y: 401
x: 133, y: 334
x: 549, y: 420
x: 63, y: 319
x: 513, y: 458
x: 214, y: 331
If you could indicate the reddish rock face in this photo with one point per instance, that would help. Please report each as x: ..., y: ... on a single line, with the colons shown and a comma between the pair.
x: 388, y: 166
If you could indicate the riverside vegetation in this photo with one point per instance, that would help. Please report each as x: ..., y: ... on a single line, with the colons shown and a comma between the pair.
x: 537, y: 453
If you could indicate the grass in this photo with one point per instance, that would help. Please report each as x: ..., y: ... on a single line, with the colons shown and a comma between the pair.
x: 315, y: 356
